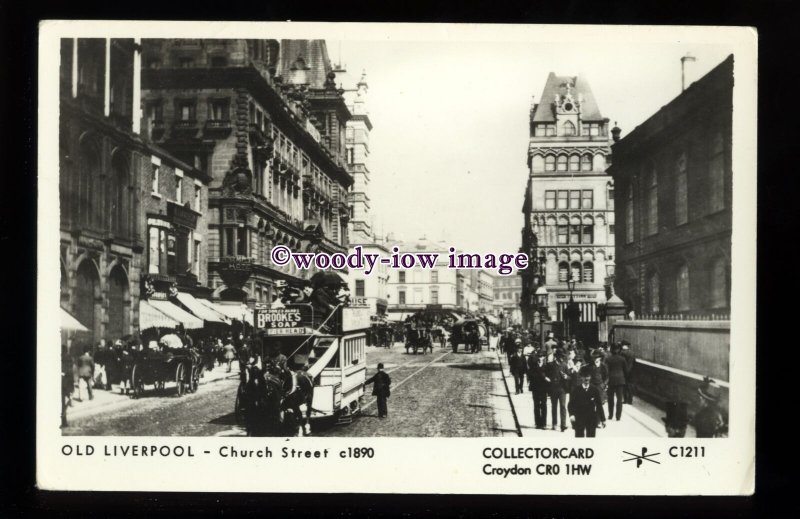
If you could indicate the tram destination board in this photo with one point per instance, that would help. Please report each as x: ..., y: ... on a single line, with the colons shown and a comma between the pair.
x: 293, y: 320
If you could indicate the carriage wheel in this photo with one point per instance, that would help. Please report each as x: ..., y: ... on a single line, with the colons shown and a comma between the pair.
x: 137, y: 383
x: 179, y: 383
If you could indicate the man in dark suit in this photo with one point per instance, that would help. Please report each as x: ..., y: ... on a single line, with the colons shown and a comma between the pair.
x: 617, y: 366
x: 585, y: 403
x: 539, y: 384
x: 630, y: 359
x: 516, y: 364
x: 380, y: 389
x: 556, y: 371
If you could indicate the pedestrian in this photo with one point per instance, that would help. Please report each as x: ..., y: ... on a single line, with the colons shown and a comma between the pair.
x: 585, y: 405
x: 556, y: 371
x: 517, y: 365
x: 710, y: 421
x: 538, y: 383
x: 86, y: 373
x: 617, y: 366
x: 630, y: 360
x: 100, y: 362
x: 67, y: 383
x: 230, y: 353
x: 599, y: 373
x: 551, y: 343
x: 676, y: 420
x: 381, y: 388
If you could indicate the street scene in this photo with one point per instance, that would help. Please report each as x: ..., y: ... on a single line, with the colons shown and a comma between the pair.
x: 258, y: 239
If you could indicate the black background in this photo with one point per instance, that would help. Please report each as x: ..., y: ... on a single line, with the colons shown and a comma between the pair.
x: 777, y: 401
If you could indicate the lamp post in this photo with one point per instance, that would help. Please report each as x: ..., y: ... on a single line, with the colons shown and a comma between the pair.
x: 572, y: 311
x: 610, y: 270
x: 541, y: 303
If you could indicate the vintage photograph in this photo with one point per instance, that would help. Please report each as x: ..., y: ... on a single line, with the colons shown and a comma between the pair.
x: 244, y: 228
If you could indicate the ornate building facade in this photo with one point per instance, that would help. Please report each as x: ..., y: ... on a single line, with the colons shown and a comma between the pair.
x: 265, y: 120
x: 569, y: 203
x: 674, y: 192
x: 113, y: 184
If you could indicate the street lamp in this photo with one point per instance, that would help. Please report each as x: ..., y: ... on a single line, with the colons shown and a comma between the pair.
x: 541, y: 302
x: 610, y: 270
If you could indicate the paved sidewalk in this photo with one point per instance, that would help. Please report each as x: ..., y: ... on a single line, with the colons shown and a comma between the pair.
x: 105, y: 401
x: 638, y: 420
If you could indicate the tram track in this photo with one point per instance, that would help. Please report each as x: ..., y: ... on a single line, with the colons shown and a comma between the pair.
x: 395, y: 386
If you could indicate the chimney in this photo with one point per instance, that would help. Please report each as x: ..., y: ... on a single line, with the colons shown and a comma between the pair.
x: 684, y: 59
x: 615, y: 132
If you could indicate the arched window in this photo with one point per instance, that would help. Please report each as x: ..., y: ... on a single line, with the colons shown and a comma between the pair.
x: 117, y: 303
x: 575, y: 271
x: 574, y: 163
x: 629, y: 213
x: 653, y: 289
x: 586, y: 162
x: 682, y: 287
x: 562, y: 163
x: 719, y: 283
x: 537, y: 163
x: 651, y: 199
x: 119, y: 204
x: 681, y: 191
x: 89, y: 170
x: 563, y: 272
x: 86, y: 296
x: 588, y: 272
x: 569, y: 128
x: 550, y: 163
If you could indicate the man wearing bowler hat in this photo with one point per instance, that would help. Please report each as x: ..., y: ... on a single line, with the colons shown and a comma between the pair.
x: 380, y: 389
x: 585, y: 404
x: 709, y: 421
x: 539, y: 383
x: 677, y: 419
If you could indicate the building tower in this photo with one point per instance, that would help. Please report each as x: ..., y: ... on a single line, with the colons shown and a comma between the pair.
x: 569, y: 203
x: 357, y: 142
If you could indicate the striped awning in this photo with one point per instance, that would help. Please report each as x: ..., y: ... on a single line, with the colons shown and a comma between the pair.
x: 151, y: 317
x: 176, y: 314
x: 202, y: 311
x: 238, y: 311
x: 68, y: 322
x: 588, y: 312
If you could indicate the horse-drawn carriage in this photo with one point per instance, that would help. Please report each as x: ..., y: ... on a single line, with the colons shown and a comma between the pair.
x: 306, y: 363
x: 472, y: 333
x: 157, y: 368
x: 418, y: 337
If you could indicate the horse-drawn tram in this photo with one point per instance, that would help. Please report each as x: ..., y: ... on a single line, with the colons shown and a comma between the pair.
x: 307, y: 362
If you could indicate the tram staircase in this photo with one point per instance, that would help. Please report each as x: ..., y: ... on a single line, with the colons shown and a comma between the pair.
x: 325, y: 349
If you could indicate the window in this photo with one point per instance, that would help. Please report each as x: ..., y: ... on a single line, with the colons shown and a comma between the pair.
x: 178, y: 188
x: 611, y: 199
x: 154, y: 251
x: 563, y: 272
x: 653, y: 288
x: 562, y: 163
x: 681, y: 193
x: 575, y: 271
x: 611, y: 229
x: 196, y: 258
x: 588, y: 272
x: 587, y: 199
x: 434, y: 296
x: 434, y: 276
x: 549, y: 199
x: 587, y: 234
x: 574, y: 163
x: 716, y: 175
x: 241, y: 241
x: 563, y: 234
x: 550, y: 130
x: 155, y: 112
x: 219, y: 61
x: 563, y: 199
x: 719, y: 283
x: 651, y: 199
x: 575, y: 199
x: 629, y: 215
x: 401, y: 276
x: 569, y: 128
x: 156, y: 173
x: 682, y: 287
x: 550, y: 163
x: 539, y: 130
x: 574, y: 233
x: 359, y: 288
x: 185, y: 62
x: 219, y: 110
x: 401, y: 297
x: 197, y: 198
x: 186, y: 110
x: 586, y: 162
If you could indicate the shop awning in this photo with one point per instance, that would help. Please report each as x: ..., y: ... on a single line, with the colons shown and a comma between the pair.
x: 151, y: 317
x: 202, y: 311
x: 236, y: 311
x: 70, y: 323
x: 177, y: 314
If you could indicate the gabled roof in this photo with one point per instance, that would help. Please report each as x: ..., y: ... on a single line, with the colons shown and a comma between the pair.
x: 315, y: 55
x: 545, y: 111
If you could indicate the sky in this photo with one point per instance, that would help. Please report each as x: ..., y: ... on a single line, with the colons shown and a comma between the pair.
x: 448, y: 148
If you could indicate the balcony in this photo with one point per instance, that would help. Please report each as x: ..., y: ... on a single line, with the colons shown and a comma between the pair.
x: 185, y: 127
x: 217, y: 127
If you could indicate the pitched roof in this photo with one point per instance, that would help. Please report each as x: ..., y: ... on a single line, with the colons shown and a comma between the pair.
x: 315, y: 55
x: 544, y: 111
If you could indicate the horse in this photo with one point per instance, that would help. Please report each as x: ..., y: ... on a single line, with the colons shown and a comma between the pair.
x: 271, y: 402
x: 301, y: 393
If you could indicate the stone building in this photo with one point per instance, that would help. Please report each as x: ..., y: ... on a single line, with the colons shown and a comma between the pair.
x: 108, y: 195
x: 507, y: 293
x: 673, y: 175
x: 266, y: 122
x: 569, y: 203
